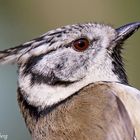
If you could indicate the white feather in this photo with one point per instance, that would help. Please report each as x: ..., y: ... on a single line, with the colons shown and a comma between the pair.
x: 131, y: 99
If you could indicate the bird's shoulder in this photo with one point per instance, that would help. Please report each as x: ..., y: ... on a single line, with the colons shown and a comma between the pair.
x: 128, y: 95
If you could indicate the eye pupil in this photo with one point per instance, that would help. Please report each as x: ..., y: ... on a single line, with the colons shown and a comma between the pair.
x: 81, y: 44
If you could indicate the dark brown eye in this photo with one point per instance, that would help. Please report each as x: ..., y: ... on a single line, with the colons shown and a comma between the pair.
x: 81, y: 44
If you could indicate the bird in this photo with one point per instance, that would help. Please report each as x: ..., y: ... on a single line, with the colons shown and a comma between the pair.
x: 72, y: 84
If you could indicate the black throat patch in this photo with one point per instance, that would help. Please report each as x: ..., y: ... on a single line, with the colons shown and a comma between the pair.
x: 118, y: 64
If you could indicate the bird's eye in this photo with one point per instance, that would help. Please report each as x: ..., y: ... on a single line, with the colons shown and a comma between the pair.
x: 81, y: 44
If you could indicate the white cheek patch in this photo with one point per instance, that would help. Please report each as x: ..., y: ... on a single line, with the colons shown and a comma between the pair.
x: 43, y: 95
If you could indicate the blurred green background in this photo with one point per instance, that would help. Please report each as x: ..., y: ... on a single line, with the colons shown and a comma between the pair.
x: 21, y: 21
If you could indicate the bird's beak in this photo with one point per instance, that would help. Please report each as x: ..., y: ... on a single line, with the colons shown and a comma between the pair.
x: 126, y: 31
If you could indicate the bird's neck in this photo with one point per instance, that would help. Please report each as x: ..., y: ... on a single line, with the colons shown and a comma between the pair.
x: 118, y: 65
x: 43, y: 95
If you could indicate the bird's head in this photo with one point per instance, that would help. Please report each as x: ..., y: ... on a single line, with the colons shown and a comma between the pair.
x: 62, y: 61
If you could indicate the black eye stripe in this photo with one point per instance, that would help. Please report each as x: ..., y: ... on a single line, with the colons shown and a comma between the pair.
x: 33, y: 60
